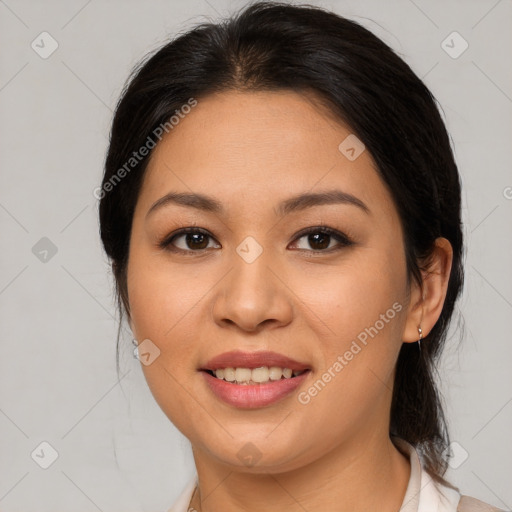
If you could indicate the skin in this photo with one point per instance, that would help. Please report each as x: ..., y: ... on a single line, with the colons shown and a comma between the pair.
x: 250, y: 151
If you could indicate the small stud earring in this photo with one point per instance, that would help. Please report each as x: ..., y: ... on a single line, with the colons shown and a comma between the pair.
x: 135, y: 349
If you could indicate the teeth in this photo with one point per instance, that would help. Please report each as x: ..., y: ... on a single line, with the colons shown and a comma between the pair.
x: 229, y: 374
x: 243, y: 374
x: 275, y: 373
x: 259, y: 375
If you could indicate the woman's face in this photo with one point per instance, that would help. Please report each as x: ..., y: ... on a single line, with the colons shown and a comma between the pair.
x: 251, y: 279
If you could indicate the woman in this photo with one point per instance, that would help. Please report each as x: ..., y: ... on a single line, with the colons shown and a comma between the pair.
x: 281, y: 207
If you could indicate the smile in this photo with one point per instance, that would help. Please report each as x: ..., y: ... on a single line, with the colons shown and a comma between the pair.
x: 249, y: 376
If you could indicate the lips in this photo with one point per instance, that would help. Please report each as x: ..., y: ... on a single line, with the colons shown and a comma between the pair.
x: 251, y: 395
x: 240, y: 359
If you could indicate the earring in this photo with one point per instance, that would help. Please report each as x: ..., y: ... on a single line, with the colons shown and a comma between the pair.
x: 421, y: 336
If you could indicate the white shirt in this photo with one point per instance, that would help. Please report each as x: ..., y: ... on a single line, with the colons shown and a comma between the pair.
x: 423, y: 494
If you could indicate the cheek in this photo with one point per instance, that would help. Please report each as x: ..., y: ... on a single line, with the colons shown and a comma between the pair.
x: 160, y: 298
x: 355, y: 296
x: 358, y: 316
x: 166, y: 309
x: 170, y: 307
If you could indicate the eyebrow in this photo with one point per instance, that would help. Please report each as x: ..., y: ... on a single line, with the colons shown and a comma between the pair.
x: 295, y: 203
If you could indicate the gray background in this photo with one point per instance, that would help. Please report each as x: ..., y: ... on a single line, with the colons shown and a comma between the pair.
x: 57, y: 318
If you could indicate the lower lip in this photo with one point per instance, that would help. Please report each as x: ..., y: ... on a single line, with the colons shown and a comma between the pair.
x: 251, y: 396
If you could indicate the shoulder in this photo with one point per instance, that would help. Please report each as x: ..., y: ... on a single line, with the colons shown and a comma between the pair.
x: 469, y: 504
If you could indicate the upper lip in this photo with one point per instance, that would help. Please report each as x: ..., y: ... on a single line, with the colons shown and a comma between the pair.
x: 240, y: 359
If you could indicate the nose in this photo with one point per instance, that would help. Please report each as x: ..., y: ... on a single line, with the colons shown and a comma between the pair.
x: 253, y: 295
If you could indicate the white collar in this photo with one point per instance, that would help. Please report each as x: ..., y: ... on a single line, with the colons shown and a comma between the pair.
x: 423, y: 494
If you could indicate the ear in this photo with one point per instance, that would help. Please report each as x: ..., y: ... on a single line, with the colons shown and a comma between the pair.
x: 426, y: 301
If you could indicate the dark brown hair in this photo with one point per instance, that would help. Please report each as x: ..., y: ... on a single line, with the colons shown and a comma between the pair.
x: 365, y: 84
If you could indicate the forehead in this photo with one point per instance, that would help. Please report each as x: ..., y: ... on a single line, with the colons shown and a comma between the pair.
x: 260, y: 145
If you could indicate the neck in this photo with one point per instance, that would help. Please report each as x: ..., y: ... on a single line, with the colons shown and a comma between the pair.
x: 367, y: 473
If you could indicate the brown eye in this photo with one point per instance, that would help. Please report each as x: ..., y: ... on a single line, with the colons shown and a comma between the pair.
x: 187, y: 240
x: 322, y: 239
x: 319, y: 240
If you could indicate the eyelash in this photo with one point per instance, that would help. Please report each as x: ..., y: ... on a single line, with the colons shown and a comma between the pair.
x: 341, y: 238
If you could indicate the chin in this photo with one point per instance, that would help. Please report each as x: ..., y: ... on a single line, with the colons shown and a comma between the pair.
x: 254, y: 452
